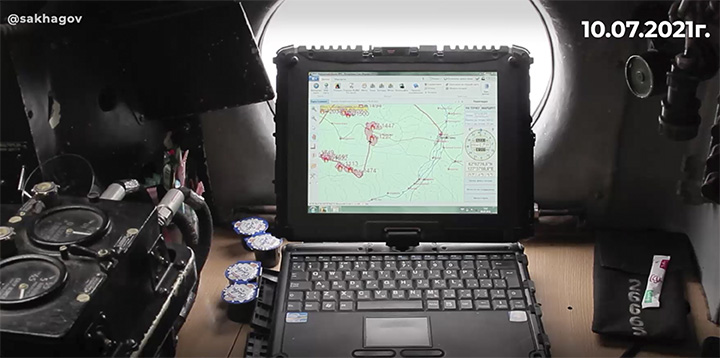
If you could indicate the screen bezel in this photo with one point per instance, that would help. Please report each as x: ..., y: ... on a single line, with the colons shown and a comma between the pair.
x: 514, y: 139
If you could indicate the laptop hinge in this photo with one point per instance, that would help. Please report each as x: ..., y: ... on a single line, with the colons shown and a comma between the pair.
x: 402, y: 238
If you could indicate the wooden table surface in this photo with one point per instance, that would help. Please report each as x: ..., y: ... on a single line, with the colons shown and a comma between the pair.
x: 561, y: 267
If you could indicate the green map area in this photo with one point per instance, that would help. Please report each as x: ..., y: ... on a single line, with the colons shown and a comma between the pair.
x: 389, y: 154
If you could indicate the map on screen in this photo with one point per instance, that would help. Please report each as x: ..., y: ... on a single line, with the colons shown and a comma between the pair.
x: 402, y: 142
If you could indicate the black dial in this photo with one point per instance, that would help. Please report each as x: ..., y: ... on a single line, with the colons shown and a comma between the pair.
x: 69, y: 225
x: 27, y: 278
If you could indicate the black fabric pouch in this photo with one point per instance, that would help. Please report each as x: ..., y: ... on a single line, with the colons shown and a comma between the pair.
x: 621, y: 269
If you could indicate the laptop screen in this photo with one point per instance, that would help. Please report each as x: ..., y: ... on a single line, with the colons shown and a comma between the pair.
x: 402, y: 142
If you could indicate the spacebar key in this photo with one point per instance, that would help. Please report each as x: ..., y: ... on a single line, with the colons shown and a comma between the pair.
x: 389, y: 305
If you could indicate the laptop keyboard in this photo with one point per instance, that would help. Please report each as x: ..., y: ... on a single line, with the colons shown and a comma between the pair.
x: 405, y: 283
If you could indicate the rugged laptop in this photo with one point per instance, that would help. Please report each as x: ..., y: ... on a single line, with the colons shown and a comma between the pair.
x: 408, y: 175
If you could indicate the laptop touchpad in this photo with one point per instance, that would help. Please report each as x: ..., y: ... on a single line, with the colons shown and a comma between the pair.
x: 397, y: 332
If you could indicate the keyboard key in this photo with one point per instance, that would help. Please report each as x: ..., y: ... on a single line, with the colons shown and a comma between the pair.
x: 405, y: 265
x: 389, y: 284
x: 329, y: 306
x: 421, y: 265
x: 389, y: 305
x: 456, y: 283
x: 402, y: 257
x: 482, y: 305
x: 363, y: 295
x: 472, y: 283
x: 318, y: 276
x: 467, y: 274
x: 375, y: 266
x: 494, y: 273
x: 296, y: 258
x: 480, y: 293
x: 432, y: 294
x: 422, y: 284
x: 486, y: 283
x: 432, y: 274
x: 294, y: 306
x: 415, y: 294
x: 329, y: 296
x: 344, y: 266
x: 443, y: 257
x: 507, y: 264
x: 301, y: 285
x: 517, y: 304
x: 347, y: 295
x: 500, y: 304
x: 432, y: 305
x: 295, y: 296
x: 515, y: 294
x: 351, y: 275
x: 455, y: 257
x: 415, y: 274
x: 355, y: 285
x: 464, y: 294
x: 368, y: 275
x: 339, y: 285
x: 450, y: 274
x: 363, y: 258
x: 312, y: 296
x: 329, y: 266
x: 371, y: 285
x: 397, y: 295
x: 452, y: 265
x: 349, y: 258
x: 299, y: 276
x: 312, y: 306
x: 495, y: 257
x: 467, y: 265
x: 436, y: 265
x: 401, y: 275
x: 360, y: 265
x: 385, y: 275
x: 497, y: 294
x: 468, y: 257
x: 481, y: 257
x: 336, y: 258
x: 511, y: 277
x: 449, y: 305
x: 509, y: 257
x: 482, y: 273
x: 310, y: 258
x: 334, y: 276
x: 347, y: 306
x: 466, y: 305
x: 439, y: 284
x: 499, y: 283
x: 390, y: 265
x: 448, y: 294
x: 416, y: 257
x: 482, y: 264
x: 313, y: 266
x: 298, y: 266
x: 323, y: 258
x: 380, y: 294
x: 321, y: 285
x: 405, y: 284
x: 389, y: 257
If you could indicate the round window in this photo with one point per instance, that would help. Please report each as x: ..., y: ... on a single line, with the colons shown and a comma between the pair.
x: 412, y: 23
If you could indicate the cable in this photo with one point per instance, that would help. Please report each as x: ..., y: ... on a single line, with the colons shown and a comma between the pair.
x: 45, y: 163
